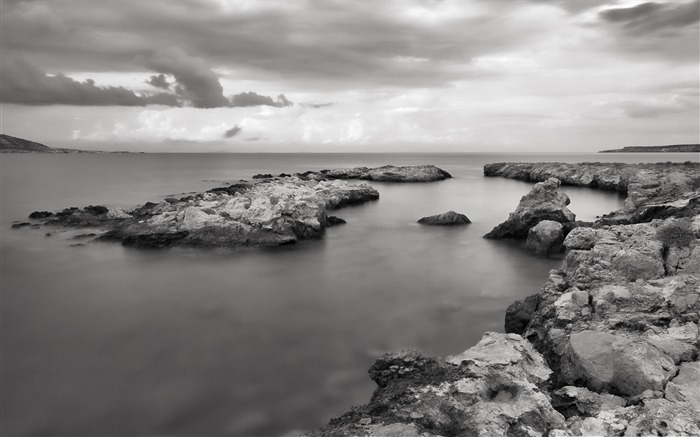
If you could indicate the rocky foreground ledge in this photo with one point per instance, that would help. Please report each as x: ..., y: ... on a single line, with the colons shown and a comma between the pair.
x: 608, y: 347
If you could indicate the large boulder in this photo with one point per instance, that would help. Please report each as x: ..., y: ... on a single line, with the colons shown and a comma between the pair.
x: 546, y: 237
x: 543, y: 202
x: 445, y: 219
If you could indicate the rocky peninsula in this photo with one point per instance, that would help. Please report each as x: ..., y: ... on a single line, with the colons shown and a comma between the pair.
x: 268, y: 211
x: 608, y: 347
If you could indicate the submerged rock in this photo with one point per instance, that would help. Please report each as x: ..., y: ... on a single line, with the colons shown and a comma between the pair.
x: 387, y: 173
x: 543, y: 202
x: 445, y: 219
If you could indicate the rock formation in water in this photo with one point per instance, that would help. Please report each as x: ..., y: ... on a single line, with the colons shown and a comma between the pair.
x: 608, y: 347
x: 449, y: 218
x: 267, y: 213
x: 387, y: 173
x: 543, y: 202
x: 654, y: 191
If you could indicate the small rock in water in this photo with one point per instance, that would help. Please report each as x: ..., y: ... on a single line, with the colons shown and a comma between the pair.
x: 445, y: 219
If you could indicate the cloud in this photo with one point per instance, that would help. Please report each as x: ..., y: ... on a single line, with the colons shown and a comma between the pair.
x: 654, y: 107
x: 25, y: 83
x: 196, y: 82
x: 233, y: 132
x: 653, y: 17
x: 253, y: 99
x: 159, y: 81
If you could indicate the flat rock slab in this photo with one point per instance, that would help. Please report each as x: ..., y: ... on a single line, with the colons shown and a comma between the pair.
x: 449, y: 218
x: 387, y: 173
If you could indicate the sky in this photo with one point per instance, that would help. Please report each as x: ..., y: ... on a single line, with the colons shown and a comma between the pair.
x: 350, y: 76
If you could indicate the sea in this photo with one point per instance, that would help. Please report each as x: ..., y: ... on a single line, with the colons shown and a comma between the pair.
x: 102, y: 340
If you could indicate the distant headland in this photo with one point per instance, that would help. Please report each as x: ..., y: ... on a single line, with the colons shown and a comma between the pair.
x: 677, y: 148
x: 10, y: 144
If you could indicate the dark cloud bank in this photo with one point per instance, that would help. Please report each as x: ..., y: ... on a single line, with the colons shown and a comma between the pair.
x: 194, y: 84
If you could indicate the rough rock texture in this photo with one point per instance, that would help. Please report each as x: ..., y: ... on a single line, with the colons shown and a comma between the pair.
x: 267, y: 213
x: 617, y: 325
x: 653, y: 191
x: 387, y: 173
x: 446, y: 219
x: 543, y: 202
x: 492, y: 389
x: 546, y: 238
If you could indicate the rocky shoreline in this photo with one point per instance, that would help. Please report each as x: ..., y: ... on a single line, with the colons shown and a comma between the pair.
x: 268, y: 211
x: 608, y: 347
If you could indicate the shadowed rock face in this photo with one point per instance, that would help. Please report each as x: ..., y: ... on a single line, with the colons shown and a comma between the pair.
x: 543, y: 202
x: 387, y: 173
x: 268, y: 213
x: 445, y: 219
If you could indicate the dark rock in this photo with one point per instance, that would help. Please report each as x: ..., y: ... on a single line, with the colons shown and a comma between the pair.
x: 263, y: 176
x: 20, y: 225
x: 519, y: 314
x: 285, y: 175
x: 40, y: 214
x: 158, y: 240
x: 333, y: 220
x: 446, y: 219
x: 96, y: 209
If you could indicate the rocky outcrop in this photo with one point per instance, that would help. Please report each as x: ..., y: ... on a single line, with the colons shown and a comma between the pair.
x: 266, y: 213
x: 448, y: 218
x: 543, y: 202
x: 654, y: 191
x: 387, y: 173
x: 617, y: 326
x: 494, y: 388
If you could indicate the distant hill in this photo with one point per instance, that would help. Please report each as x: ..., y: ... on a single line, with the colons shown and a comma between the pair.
x: 10, y: 144
x: 678, y: 148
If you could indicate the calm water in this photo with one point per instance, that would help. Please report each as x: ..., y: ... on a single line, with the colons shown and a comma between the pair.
x: 103, y: 340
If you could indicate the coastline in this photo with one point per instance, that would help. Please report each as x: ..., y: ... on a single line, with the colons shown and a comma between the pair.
x: 609, y: 346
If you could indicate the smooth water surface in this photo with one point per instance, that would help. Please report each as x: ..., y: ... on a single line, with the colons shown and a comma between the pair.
x: 102, y: 340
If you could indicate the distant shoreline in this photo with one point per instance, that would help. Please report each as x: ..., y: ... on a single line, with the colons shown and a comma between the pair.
x: 675, y: 148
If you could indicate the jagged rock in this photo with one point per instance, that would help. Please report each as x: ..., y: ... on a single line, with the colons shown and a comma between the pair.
x: 447, y: 218
x: 639, y: 366
x: 581, y: 401
x: 543, y: 202
x: 686, y: 386
x: 40, y: 214
x: 387, y: 173
x: 654, y: 191
x: 519, y: 314
x: 489, y: 390
x: 267, y: 213
x: 546, y: 237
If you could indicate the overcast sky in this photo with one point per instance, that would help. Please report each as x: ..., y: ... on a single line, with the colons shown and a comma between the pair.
x: 363, y: 75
